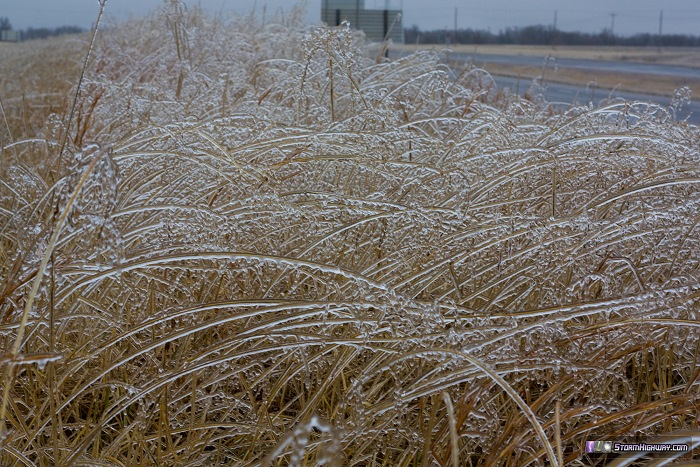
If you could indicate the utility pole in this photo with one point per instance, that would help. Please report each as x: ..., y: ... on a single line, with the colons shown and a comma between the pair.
x: 661, y: 24
x: 612, y: 25
x: 455, y: 29
x: 555, y: 21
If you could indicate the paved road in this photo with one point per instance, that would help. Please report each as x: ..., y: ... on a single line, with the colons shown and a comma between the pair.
x: 566, y: 94
x: 580, y: 64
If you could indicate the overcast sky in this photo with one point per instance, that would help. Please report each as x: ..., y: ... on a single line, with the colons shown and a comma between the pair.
x: 631, y: 16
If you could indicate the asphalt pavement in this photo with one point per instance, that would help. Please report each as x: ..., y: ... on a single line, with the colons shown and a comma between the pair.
x: 563, y: 95
x: 580, y: 64
x: 566, y: 94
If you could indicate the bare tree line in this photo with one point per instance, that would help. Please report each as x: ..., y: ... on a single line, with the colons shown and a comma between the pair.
x: 545, y: 35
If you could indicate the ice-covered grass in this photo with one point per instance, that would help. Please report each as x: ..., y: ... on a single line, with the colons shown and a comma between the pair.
x: 261, y: 246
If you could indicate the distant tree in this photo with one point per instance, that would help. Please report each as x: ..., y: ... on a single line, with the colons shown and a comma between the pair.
x: 5, y: 24
x: 544, y: 35
x: 43, y: 33
x: 411, y: 35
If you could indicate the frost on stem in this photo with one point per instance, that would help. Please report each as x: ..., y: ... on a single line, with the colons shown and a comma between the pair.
x: 316, y: 430
x: 681, y: 97
x: 89, y: 222
x: 248, y: 266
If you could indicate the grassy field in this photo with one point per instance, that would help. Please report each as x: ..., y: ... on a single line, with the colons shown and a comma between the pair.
x: 684, y: 56
x: 245, y: 244
x: 632, y: 82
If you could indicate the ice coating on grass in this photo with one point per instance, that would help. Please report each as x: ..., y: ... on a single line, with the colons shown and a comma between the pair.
x: 285, y: 251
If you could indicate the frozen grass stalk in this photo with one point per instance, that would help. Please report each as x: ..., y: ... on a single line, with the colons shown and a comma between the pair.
x: 7, y: 377
x: 298, y: 254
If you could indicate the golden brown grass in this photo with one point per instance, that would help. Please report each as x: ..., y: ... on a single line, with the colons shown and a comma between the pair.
x: 30, y: 92
x: 251, y: 252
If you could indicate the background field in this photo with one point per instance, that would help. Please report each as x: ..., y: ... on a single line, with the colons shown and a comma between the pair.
x: 685, y: 56
x: 642, y: 83
x: 246, y: 244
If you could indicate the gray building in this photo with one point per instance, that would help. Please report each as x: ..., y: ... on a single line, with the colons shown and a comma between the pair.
x: 9, y: 35
x: 376, y: 24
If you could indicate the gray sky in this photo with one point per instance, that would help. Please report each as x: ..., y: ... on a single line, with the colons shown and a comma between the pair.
x: 631, y: 16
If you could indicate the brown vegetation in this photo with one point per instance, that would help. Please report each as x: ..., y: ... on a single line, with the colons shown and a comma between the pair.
x: 249, y: 251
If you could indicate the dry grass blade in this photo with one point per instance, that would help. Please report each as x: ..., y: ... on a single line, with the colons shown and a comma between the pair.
x: 280, y: 251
